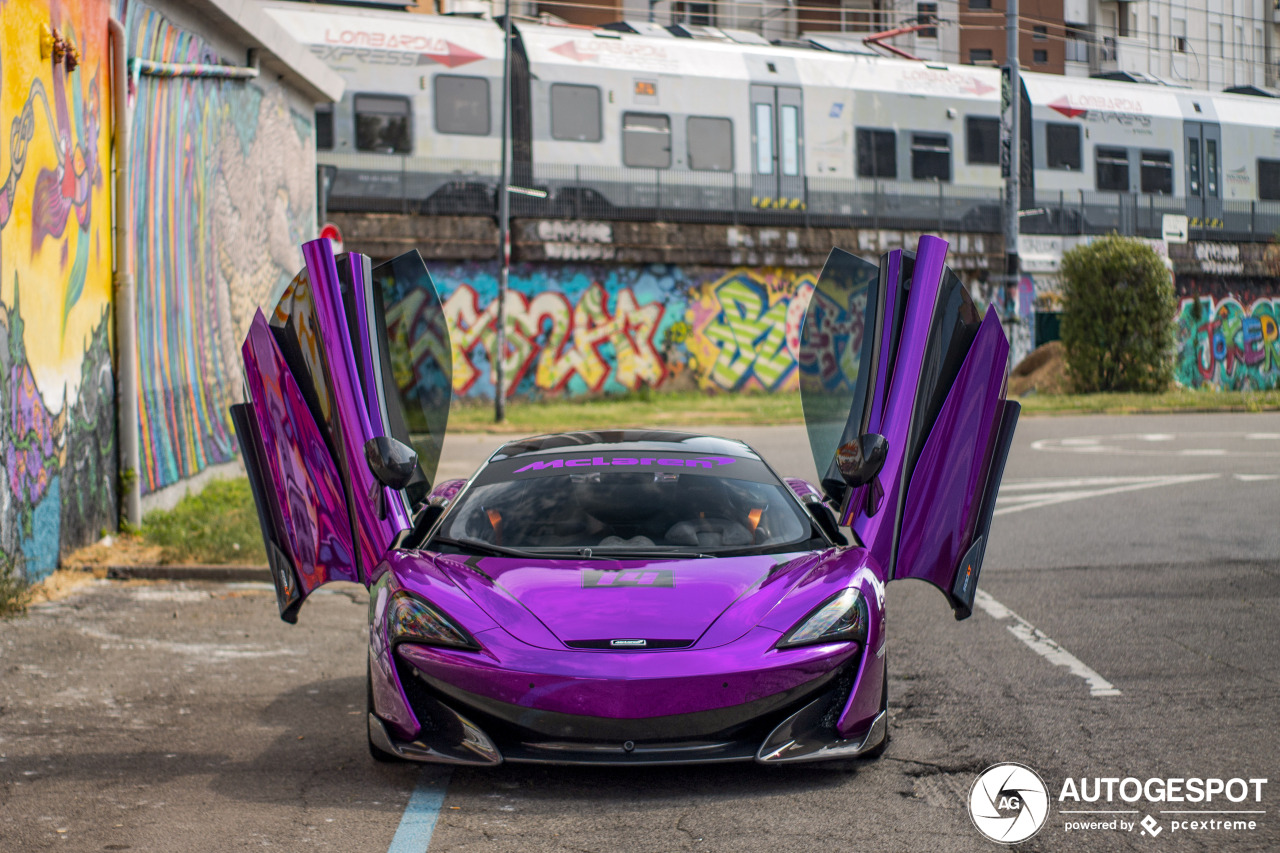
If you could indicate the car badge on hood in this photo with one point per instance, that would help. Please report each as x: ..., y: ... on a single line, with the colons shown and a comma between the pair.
x: 628, y: 644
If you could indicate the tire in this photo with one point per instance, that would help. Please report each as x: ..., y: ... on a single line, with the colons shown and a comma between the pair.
x: 376, y: 752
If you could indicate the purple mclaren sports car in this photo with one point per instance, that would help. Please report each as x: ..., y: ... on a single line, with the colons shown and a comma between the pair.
x: 627, y: 596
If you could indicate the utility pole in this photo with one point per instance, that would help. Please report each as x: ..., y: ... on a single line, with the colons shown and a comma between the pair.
x: 1012, y: 187
x: 504, y: 232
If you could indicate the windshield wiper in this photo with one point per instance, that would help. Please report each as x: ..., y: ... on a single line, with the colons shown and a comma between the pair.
x: 640, y: 553
x: 582, y: 553
x: 486, y: 548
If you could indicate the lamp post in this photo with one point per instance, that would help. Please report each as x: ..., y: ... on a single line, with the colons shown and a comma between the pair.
x: 1013, y: 188
x: 504, y: 231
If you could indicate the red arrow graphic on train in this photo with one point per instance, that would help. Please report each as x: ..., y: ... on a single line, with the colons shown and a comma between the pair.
x: 1063, y: 105
x: 453, y: 56
x: 977, y: 87
x: 569, y: 50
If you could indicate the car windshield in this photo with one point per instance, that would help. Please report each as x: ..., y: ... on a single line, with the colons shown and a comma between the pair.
x: 611, y: 504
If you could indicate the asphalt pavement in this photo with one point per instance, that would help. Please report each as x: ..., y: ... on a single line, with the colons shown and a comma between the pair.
x: 1127, y: 629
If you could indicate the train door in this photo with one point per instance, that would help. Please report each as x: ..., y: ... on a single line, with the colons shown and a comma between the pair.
x: 1204, y: 173
x: 777, y: 147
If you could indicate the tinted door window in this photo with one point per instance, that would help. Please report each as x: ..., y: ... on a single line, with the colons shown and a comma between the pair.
x: 930, y: 157
x: 877, y: 153
x: 983, y: 138
x: 324, y: 127
x: 382, y: 124
x: 646, y: 140
x: 575, y: 112
x: 764, y: 139
x: 462, y: 105
x: 790, y: 140
x: 1269, y: 180
x: 1211, y: 168
x: 1112, y: 169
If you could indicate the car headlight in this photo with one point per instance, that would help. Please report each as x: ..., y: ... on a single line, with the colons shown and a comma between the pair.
x: 839, y: 619
x: 411, y: 619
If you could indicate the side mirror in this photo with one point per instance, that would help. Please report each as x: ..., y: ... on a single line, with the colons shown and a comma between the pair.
x: 861, y: 460
x: 392, y: 462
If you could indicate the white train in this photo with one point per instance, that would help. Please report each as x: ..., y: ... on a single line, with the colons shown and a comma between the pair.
x: 715, y: 125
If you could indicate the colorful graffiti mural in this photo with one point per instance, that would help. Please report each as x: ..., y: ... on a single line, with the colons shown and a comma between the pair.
x: 57, y: 414
x: 585, y: 328
x: 1224, y: 344
x: 223, y: 188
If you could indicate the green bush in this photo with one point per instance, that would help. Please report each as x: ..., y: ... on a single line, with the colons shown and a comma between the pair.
x: 1118, y: 317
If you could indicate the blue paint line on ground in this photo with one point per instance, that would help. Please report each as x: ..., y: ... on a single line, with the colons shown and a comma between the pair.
x: 423, y: 810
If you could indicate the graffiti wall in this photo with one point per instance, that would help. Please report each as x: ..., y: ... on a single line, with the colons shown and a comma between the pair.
x: 223, y: 182
x: 57, y: 416
x: 1228, y: 333
x: 594, y: 328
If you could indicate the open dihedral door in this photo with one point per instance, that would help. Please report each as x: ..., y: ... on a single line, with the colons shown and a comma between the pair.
x: 903, y: 388
x: 319, y: 381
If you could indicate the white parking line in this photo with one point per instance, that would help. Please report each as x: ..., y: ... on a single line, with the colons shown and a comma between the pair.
x: 1048, y: 492
x: 1043, y: 645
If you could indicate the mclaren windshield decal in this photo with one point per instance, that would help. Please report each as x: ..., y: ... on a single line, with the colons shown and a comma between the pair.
x: 626, y: 462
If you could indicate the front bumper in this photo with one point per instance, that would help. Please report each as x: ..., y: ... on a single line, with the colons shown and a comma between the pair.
x: 771, y: 714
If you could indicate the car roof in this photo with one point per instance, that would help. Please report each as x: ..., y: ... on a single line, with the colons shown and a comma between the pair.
x: 635, y: 440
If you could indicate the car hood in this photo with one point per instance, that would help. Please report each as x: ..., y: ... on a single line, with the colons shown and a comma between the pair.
x: 591, y: 602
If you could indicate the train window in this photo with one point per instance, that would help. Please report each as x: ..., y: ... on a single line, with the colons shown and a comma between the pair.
x: 983, y: 140
x: 646, y: 141
x: 790, y: 140
x: 877, y: 153
x: 324, y: 127
x: 1111, y: 169
x: 710, y: 144
x: 1211, y: 168
x: 1269, y: 180
x: 382, y: 124
x: 575, y: 112
x: 462, y: 105
x: 1157, y: 172
x: 930, y: 157
x: 1062, y: 147
x: 764, y: 139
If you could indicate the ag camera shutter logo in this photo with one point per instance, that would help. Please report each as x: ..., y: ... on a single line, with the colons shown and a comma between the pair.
x: 1008, y: 803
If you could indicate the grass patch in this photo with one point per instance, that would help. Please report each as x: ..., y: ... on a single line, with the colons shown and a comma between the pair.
x: 1177, y: 400
x: 678, y: 409
x: 15, y: 592
x: 216, y: 527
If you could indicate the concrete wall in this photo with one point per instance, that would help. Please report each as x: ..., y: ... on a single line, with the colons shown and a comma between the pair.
x: 223, y: 182
x: 57, y: 417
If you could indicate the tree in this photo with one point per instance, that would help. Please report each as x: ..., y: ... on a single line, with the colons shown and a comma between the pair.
x: 1118, y: 316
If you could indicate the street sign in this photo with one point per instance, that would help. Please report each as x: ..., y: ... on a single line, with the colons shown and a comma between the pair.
x: 1174, y: 228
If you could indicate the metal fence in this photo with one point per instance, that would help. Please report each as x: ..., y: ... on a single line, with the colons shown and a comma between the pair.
x: 405, y: 184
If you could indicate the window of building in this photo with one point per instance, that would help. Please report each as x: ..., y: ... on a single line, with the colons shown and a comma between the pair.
x: 695, y: 14
x: 462, y: 105
x: 1157, y: 172
x: 877, y: 153
x: 1076, y: 46
x: 382, y: 124
x: 927, y: 13
x: 1111, y: 169
x: 1269, y: 180
x: 979, y: 4
x: 1040, y: 57
x: 575, y: 112
x: 1040, y: 33
x: 710, y: 143
x: 1178, y: 29
x: 980, y: 55
x: 1062, y: 147
x: 324, y: 127
x: 1215, y: 41
x: 646, y: 140
x: 982, y: 140
x: 930, y: 157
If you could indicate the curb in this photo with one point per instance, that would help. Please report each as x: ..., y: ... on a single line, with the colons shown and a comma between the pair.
x: 190, y: 573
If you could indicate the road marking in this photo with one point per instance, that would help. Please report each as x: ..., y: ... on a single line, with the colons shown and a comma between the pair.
x: 421, y: 812
x: 1159, y: 444
x: 1051, y: 491
x: 1256, y: 478
x: 1262, y: 436
x: 1043, y: 645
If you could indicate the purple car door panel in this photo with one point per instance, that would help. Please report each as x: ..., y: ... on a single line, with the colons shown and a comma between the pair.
x: 297, y: 487
x: 919, y: 368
